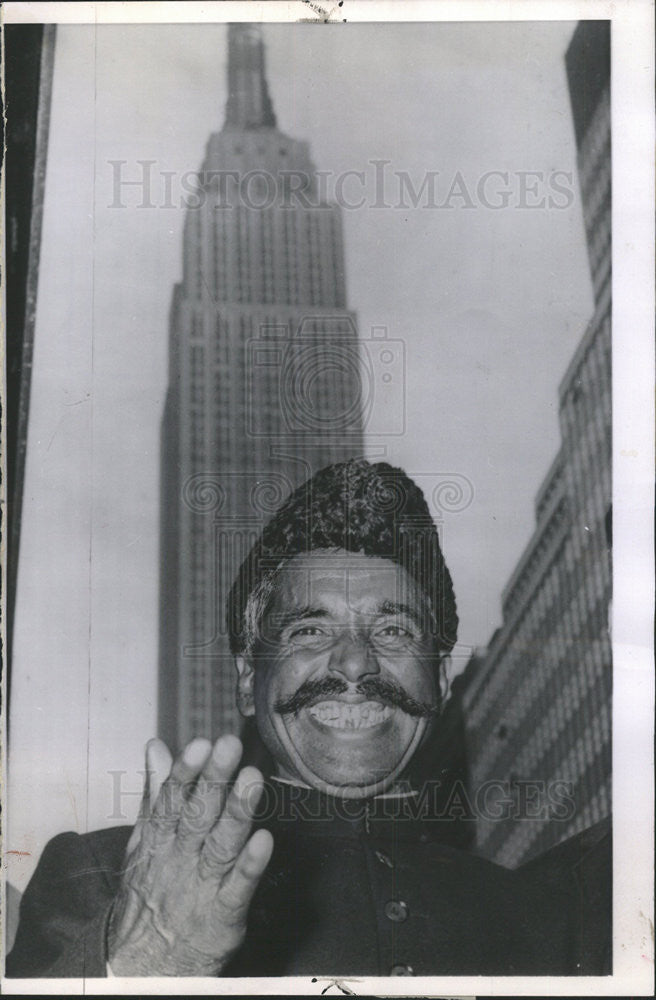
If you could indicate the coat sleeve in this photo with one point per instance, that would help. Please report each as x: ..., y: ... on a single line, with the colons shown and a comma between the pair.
x: 585, y: 864
x: 64, y: 912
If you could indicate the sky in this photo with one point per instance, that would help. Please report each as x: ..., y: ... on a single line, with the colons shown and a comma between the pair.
x: 489, y: 303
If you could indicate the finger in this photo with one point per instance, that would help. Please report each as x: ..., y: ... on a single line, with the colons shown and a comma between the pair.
x: 205, y: 804
x: 225, y: 841
x: 175, y: 789
x: 235, y: 894
x: 135, y: 837
x: 158, y: 766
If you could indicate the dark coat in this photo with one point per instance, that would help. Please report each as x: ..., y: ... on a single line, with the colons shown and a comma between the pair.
x: 352, y: 889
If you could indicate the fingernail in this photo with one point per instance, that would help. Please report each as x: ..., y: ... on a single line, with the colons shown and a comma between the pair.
x: 227, y: 749
x: 248, y: 782
x: 195, y: 753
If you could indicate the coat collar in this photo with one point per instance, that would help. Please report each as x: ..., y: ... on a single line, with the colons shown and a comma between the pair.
x: 284, y: 805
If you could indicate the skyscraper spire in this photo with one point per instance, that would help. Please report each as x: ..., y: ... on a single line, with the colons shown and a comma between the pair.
x: 263, y: 281
x: 248, y: 105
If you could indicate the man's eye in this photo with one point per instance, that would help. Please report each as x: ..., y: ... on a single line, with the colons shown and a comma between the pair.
x: 306, y: 631
x: 393, y: 632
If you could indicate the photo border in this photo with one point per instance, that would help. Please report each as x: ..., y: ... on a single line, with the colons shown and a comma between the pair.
x: 633, y: 498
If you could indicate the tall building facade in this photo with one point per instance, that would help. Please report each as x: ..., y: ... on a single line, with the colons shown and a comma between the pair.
x: 264, y: 380
x: 537, y: 704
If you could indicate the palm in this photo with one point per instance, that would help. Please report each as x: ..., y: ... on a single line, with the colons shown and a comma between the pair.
x: 190, y: 869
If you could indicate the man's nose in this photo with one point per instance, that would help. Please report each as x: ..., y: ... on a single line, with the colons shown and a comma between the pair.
x: 353, y: 658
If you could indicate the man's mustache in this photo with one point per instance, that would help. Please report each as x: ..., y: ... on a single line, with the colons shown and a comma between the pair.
x: 372, y: 688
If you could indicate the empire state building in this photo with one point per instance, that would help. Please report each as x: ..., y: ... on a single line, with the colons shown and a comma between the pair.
x: 264, y: 385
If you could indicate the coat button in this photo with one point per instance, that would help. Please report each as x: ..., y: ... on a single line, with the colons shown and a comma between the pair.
x: 384, y: 859
x: 401, y: 970
x: 396, y: 910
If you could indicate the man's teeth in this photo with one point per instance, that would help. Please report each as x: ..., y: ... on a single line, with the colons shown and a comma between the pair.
x: 341, y: 715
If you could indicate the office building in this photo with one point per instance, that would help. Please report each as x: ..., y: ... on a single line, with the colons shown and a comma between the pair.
x: 537, y: 704
x: 264, y: 380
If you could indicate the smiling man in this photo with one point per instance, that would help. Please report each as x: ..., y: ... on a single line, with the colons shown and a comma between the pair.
x: 341, y: 619
x: 344, y: 680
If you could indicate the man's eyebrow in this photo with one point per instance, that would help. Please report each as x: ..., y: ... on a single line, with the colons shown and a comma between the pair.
x: 285, y: 618
x: 397, y: 608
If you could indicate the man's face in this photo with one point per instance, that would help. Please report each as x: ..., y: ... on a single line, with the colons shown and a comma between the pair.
x: 345, y: 675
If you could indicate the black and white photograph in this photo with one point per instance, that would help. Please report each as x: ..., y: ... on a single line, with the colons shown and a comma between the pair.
x: 328, y: 604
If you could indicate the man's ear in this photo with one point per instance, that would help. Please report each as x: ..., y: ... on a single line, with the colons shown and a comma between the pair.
x: 245, y: 699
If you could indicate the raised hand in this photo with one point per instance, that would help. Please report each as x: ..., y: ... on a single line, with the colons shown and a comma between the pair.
x: 191, y: 869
